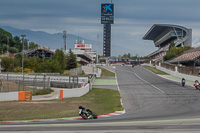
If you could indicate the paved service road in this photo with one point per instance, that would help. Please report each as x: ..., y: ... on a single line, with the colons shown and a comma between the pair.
x: 152, y: 104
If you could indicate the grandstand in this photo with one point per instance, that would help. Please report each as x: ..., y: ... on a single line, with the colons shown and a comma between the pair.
x: 41, y: 52
x: 163, y: 34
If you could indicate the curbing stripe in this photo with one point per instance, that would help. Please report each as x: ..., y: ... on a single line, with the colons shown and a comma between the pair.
x: 173, y: 80
x: 64, y: 119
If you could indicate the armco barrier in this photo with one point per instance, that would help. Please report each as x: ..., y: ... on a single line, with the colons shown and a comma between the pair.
x: 14, y: 96
x: 76, y: 92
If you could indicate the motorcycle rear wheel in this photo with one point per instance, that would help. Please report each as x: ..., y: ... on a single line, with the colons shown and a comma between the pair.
x: 84, y: 116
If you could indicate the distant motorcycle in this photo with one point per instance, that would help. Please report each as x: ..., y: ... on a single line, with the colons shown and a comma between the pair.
x: 87, y: 114
x: 197, y: 85
x: 183, y: 82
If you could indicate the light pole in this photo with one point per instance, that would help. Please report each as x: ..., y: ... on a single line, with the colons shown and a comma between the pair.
x: 7, y: 45
x: 23, y: 58
x: 97, y: 48
x: 27, y: 48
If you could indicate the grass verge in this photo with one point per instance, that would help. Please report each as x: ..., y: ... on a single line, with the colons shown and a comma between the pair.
x: 101, y: 101
x: 156, y: 71
x: 106, y: 74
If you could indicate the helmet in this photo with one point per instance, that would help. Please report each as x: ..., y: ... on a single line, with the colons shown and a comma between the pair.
x: 80, y: 107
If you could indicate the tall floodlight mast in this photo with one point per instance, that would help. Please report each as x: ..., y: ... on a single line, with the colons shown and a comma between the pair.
x: 64, y: 38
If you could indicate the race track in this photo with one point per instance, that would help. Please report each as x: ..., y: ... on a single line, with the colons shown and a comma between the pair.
x: 151, y: 103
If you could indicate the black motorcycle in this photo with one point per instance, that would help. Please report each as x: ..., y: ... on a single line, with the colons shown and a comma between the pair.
x: 197, y: 86
x: 86, y: 113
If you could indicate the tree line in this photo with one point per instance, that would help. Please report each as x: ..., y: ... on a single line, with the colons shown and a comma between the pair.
x: 57, y: 64
x: 13, y: 44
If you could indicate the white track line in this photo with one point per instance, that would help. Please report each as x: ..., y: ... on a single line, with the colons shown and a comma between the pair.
x: 149, y: 83
x: 144, y: 80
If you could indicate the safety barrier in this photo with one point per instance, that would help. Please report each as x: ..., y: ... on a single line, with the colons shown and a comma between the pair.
x: 76, y: 92
x: 16, y: 96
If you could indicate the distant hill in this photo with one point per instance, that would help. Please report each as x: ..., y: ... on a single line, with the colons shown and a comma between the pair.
x: 55, y: 41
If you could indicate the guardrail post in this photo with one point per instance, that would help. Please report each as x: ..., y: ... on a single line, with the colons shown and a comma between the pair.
x: 44, y: 81
x: 73, y: 82
x: 69, y: 82
x: 77, y: 81
x: 18, y: 85
x: 7, y: 82
x: 48, y: 83
x: 1, y: 82
x: 34, y: 84
x: 23, y: 81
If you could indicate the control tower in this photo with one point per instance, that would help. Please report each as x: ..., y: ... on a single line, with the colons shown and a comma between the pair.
x: 107, y: 18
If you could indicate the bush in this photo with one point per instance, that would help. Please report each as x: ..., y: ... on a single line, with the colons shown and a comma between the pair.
x: 27, y: 70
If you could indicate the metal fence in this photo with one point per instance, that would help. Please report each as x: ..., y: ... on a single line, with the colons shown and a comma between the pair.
x: 14, y: 81
x: 76, y: 71
x: 168, y: 66
x: 10, y: 84
x: 195, y: 71
x: 189, y: 70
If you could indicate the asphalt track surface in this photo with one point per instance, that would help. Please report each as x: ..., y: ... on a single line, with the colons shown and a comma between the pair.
x: 152, y: 104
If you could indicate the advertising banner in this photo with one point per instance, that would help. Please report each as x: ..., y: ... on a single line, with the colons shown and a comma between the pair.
x: 107, y: 9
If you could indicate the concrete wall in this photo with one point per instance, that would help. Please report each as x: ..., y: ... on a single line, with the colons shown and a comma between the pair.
x: 76, y: 92
x: 8, y: 96
x: 179, y: 75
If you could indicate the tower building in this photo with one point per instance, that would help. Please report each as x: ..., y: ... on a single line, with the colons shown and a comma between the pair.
x: 107, y: 18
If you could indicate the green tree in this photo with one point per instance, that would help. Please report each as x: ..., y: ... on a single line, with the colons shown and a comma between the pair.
x: 174, y: 52
x: 7, y: 63
x: 60, y: 57
x: 49, y: 66
x: 13, y: 50
x: 31, y: 63
x: 16, y: 42
x: 71, y: 60
x: 32, y: 45
x: 172, y: 44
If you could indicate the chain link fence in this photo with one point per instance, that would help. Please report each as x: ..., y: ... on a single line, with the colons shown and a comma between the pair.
x: 76, y: 71
x: 10, y: 82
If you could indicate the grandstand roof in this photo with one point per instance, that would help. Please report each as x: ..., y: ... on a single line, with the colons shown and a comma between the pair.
x: 157, y: 29
x: 190, y: 55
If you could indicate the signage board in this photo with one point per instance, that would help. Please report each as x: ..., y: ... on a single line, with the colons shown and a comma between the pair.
x: 107, y: 20
x: 113, y: 60
x: 133, y: 60
x: 83, y: 46
x: 107, y: 9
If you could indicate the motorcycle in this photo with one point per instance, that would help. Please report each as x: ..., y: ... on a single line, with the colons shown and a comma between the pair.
x: 197, y: 86
x: 86, y: 113
x: 183, y: 82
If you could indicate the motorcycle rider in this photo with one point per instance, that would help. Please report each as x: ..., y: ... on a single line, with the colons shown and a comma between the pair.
x: 82, y: 109
x: 183, y: 82
x: 196, y: 84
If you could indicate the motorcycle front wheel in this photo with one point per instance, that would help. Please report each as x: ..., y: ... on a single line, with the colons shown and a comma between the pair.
x: 94, y: 115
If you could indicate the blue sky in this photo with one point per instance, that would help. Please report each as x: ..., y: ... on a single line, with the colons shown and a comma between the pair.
x: 133, y: 18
